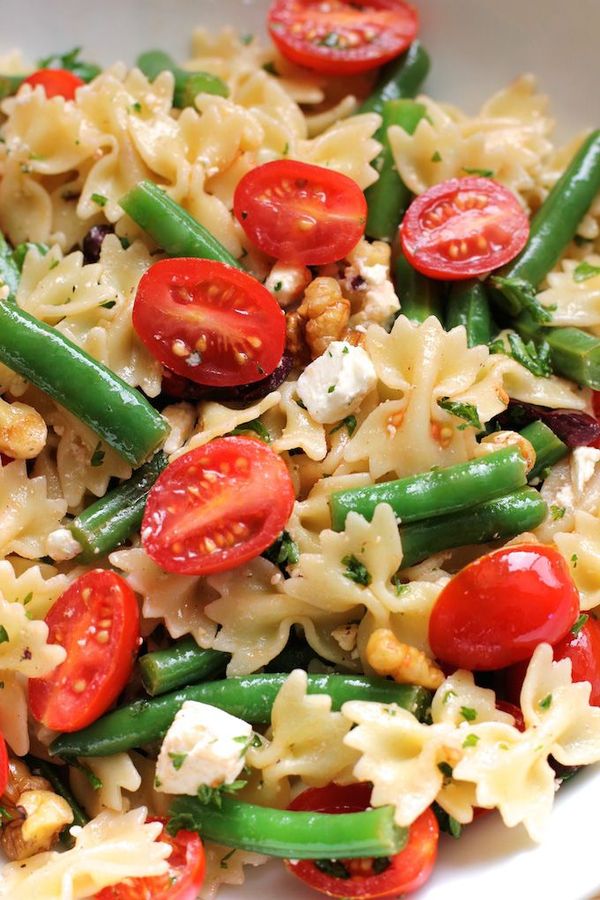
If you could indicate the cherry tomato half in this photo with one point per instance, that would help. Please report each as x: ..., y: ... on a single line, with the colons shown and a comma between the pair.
x: 97, y: 621
x: 300, y: 213
x: 217, y: 507
x: 462, y: 228
x: 56, y: 82
x: 209, y: 322
x: 3, y: 766
x: 341, y: 37
x: 366, y: 878
x: 583, y: 649
x: 182, y: 881
x: 497, y: 610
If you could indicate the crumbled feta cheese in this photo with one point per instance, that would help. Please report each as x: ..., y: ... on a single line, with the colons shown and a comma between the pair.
x: 380, y: 300
x: 336, y: 383
x: 346, y: 636
x: 203, y: 746
x: 583, y: 465
x: 61, y: 545
x: 288, y: 282
x: 182, y: 418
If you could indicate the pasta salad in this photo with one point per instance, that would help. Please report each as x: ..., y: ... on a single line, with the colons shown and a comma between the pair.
x: 299, y: 445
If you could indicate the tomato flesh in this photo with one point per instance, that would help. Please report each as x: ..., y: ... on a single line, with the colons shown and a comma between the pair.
x: 183, y: 880
x: 3, y: 766
x: 217, y: 507
x: 300, y: 213
x: 341, y: 37
x: 386, y: 877
x: 462, y: 228
x: 209, y: 322
x: 496, y: 610
x: 97, y: 621
x: 56, y: 82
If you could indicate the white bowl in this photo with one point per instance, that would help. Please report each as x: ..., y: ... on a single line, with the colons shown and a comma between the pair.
x: 476, y: 46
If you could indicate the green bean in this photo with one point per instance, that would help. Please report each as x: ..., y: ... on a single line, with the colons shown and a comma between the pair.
x: 118, y: 414
x: 10, y: 274
x: 109, y: 521
x: 435, y: 493
x: 401, y: 78
x: 389, y: 197
x: 503, y: 518
x: 549, y: 448
x: 574, y: 353
x: 173, y: 229
x: 182, y: 664
x: 53, y: 774
x: 291, y: 834
x: 187, y: 84
x: 251, y: 698
x: 552, y: 228
x: 420, y: 297
x: 468, y: 305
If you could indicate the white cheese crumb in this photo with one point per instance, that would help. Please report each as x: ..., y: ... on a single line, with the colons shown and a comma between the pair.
x: 346, y: 636
x: 583, y: 465
x: 335, y: 384
x: 61, y: 545
x: 288, y: 282
x: 203, y: 746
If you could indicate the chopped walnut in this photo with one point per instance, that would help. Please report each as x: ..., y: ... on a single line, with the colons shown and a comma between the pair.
x: 498, y: 440
x: 407, y: 665
x: 37, y: 814
x: 346, y: 636
x: 325, y: 312
x: 23, y: 431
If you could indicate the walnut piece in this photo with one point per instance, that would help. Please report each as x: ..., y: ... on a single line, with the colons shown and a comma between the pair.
x: 407, y: 665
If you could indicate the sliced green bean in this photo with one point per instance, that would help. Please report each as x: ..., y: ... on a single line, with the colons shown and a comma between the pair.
x: 389, y: 197
x: 10, y: 274
x: 401, y: 78
x: 187, y: 84
x: 435, y: 493
x: 171, y: 226
x: 420, y: 297
x: 118, y: 414
x: 549, y: 448
x: 468, y: 305
x: 502, y: 518
x: 250, y: 698
x: 54, y: 774
x: 182, y: 664
x: 108, y: 522
x: 288, y: 834
x: 574, y: 353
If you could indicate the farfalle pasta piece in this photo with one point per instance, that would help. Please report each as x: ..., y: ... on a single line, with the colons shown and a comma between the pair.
x: 226, y: 866
x: 115, y: 773
x: 581, y: 550
x: 312, y: 516
x: 348, y: 146
x: 574, y: 300
x: 34, y: 586
x: 298, y: 430
x: 109, y: 849
x: 305, y: 739
x: 28, y: 513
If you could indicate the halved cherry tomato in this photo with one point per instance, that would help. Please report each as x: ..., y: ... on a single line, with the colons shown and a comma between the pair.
x: 3, y: 766
x: 97, y: 621
x: 366, y: 878
x: 514, y: 710
x: 209, y: 322
x: 56, y: 82
x: 583, y: 649
x: 341, y: 37
x: 300, y: 213
x: 462, y: 228
x: 217, y: 507
x: 496, y: 610
x: 182, y: 881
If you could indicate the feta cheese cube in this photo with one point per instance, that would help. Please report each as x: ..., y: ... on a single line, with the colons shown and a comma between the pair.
x: 203, y: 746
x: 287, y: 282
x: 583, y: 465
x: 335, y: 384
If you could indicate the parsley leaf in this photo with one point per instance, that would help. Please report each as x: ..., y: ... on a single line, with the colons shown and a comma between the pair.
x: 521, y: 295
x: 349, y: 423
x: 483, y: 173
x: 70, y: 61
x: 449, y: 694
x: 468, y: 713
x: 584, y: 271
x: 446, y: 769
x: 574, y: 560
x: 466, y: 411
x: 210, y: 796
x: 99, y: 199
x: 284, y: 552
x: 448, y: 824
x: 94, y: 781
x: 437, y: 156
x: 98, y: 455
x: 471, y: 740
x: 356, y: 571
x: 178, y: 760
x: 4, y: 638
x: 546, y: 703
x: 535, y: 358
x: 255, y: 426
x: 557, y: 512
x: 226, y: 858
x: 269, y: 68
x: 579, y: 623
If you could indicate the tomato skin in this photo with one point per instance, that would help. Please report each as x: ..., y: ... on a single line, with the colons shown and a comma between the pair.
x: 217, y: 507
x: 342, y: 37
x: 497, y: 609
x: 209, y: 322
x: 300, y: 213
x: 97, y: 620
x: 56, y: 82
x: 3, y: 765
x: 187, y: 864
x: 462, y: 228
x: 407, y: 871
x: 583, y: 649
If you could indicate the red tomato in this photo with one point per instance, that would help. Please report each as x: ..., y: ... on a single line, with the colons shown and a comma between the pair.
x: 56, y: 82
x: 217, y: 507
x: 3, y: 766
x: 341, y: 37
x: 365, y: 878
x: 583, y: 649
x: 463, y: 227
x: 300, y: 213
x: 513, y: 710
x: 497, y: 610
x: 183, y: 880
x: 209, y: 322
x: 97, y: 621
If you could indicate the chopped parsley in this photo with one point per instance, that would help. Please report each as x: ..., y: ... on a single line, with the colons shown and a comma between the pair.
x: 277, y: 286
x: 574, y: 560
x: 448, y: 824
x: 98, y: 455
x: 269, y: 68
x: 468, y: 714
x: 93, y: 780
x: 521, y: 295
x: 70, y: 61
x: 446, y: 769
x: 331, y: 389
x: 226, y: 858
x: 356, y: 571
x: 255, y: 426
x: 484, y: 173
x: 584, y: 271
x: 471, y: 740
x: 349, y: 423
x: 284, y: 552
x: 210, y: 796
x: 4, y: 638
x: 580, y: 622
x: 332, y: 867
x: 399, y: 585
x: 437, y: 156
x: 546, y: 703
x: 466, y: 411
x: 448, y: 695
x: 535, y: 358
x: 137, y: 106
x: 246, y: 39
x: 178, y: 760
x: 557, y: 512
x: 252, y: 741
x: 99, y: 199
